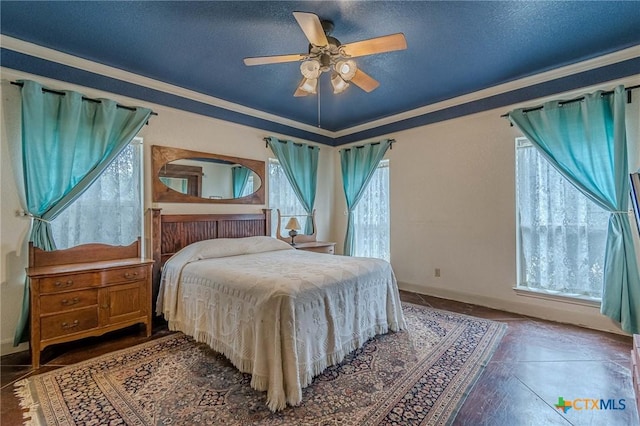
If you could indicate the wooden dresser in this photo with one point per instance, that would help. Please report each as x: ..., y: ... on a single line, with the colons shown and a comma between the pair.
x: 635, y: 368
x: 86, y: 290
x: 317, y: 246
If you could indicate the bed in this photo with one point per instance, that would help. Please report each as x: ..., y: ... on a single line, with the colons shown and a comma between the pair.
x: 280, y: 314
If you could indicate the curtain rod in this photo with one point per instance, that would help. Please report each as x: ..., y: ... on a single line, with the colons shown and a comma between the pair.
x: 391, y: 142
x: 627, y: 89
x: 266, y: 140
x: 97, y: 101
x: 266, y: 143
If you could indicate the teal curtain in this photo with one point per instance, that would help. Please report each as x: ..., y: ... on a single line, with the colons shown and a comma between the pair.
x: 358, y: 165
x: 300, y: 164
x: 586, y: 141
x: 240, y: 177
x: 67, y: 142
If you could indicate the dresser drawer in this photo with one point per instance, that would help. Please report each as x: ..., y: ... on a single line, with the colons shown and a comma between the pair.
x: 61, y: 302
x: 69, y: 322
x: 124, y: 274
x: 55, y: 284
x: 317, y: 247
x: 326, y: 249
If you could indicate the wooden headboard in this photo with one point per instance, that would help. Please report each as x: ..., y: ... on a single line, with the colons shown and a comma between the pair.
x: 170, y: 233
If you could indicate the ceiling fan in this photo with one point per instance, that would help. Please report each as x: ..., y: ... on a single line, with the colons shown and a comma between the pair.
x: 326, y: 54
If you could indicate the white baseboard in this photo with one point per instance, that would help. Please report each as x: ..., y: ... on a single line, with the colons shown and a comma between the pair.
x: 590, y: 317
x: 6, y: 347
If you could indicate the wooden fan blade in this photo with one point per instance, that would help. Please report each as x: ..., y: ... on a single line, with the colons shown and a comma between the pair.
x: 312, y: 28
x: 382, y: 44
x: 264, y: 60
x: 364, y: 81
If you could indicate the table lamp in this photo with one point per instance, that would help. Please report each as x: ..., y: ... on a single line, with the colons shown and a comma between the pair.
x: 293, y: 225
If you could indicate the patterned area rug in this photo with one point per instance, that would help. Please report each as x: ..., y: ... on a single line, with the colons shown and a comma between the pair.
x: 418, y: 376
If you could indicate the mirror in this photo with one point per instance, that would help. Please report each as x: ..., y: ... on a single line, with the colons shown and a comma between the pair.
x: 183, y: 176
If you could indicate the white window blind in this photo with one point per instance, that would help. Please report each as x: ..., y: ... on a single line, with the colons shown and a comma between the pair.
x: 283, y: 197
x: 561, y: 233
x: 371, y: 217
x: 110, y: 210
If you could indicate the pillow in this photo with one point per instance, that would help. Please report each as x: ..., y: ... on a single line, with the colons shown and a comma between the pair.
x: 224, y: 247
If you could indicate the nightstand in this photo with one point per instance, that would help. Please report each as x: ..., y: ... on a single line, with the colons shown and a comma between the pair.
x: 317, y: 246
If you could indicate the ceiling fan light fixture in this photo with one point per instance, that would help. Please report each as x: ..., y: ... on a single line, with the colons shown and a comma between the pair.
x: 347, y: 69
x: 325, y: 62
x: 310, y: 69
x: 309, y: 85
x: 338, y: 83
x: 327, y: 54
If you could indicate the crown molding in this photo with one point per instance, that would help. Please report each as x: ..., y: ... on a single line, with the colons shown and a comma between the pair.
x: 56, y: 56
x: 48, y: 54
x: 576, y: 68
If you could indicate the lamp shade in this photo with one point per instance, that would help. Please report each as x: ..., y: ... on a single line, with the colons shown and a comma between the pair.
x: 309, y: 85
x: 347, y: 69
x: 293, y: 224
x: 338, y: 83
x: 310, y: 68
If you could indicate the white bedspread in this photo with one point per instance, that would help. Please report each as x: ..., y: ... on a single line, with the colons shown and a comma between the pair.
x: 280, y: 314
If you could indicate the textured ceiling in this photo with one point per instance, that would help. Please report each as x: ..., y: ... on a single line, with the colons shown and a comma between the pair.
x: 454, y: 48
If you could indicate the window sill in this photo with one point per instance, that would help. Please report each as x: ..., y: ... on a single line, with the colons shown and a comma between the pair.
x: 558, y: 297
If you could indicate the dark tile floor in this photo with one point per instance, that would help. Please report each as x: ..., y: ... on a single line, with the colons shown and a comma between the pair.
x: 536, y: 363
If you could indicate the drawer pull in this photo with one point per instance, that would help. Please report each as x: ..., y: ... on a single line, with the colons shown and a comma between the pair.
x: 67, y: 326
x: 130, y: 274
x: 68, y: 283
x: 104, y: 306
x: 67, y: 302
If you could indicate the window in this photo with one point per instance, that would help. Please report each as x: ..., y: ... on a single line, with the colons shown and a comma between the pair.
x: 371, y: 217
x: 561, y: 233
x: 110, y: 210
x: 283, y: 197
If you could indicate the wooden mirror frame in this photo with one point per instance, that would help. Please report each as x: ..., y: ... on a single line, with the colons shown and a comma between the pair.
x: 161, y: 155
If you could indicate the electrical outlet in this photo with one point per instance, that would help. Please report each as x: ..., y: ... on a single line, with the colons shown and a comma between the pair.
x: 436, y: 273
